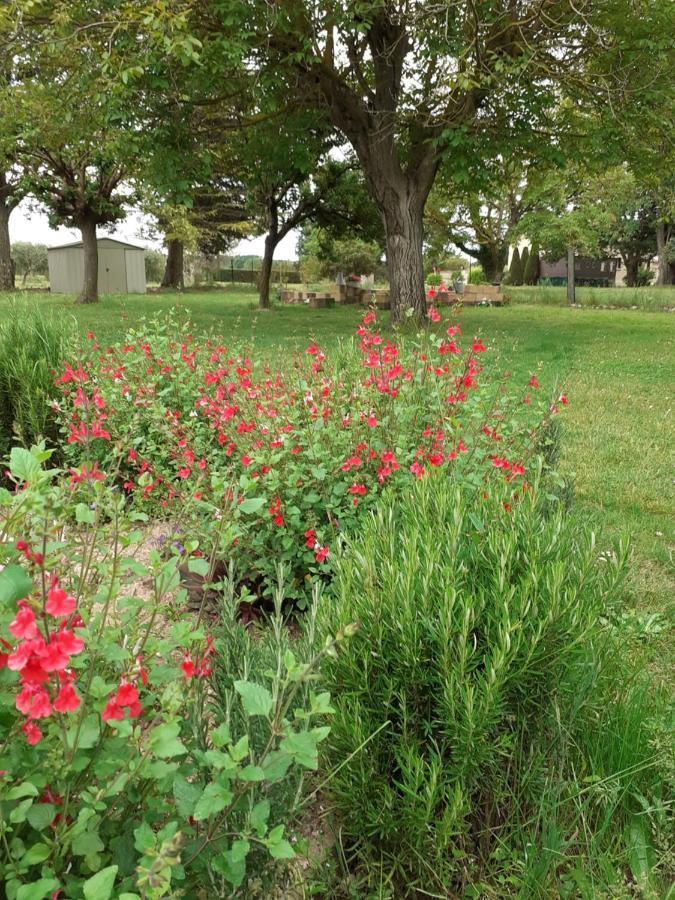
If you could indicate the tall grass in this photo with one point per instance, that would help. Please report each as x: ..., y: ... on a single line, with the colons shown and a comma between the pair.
x: 645, y: 298
x: 32, y: 346
x: 483, y: 744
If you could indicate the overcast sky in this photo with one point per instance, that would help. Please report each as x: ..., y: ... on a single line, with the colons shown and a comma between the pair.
x: 28, y: 225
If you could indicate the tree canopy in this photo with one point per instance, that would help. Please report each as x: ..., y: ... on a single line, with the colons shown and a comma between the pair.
x: 208, y: 104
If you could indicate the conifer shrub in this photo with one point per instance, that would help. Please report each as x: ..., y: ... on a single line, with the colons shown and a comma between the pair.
x: 531, y: 268
x: 515, y: 269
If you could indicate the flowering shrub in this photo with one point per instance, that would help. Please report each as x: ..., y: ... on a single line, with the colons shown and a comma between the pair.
x: 288, y: 455
x: 122, y: 770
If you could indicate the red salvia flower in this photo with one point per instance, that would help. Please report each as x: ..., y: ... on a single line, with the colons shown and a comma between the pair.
x: 112, y: 712
x: 23, y: 626
x: 127, y: 695
x: 59, y: 604
x: 321, y: 554
x: 32, y: 732
x: 67, y: 699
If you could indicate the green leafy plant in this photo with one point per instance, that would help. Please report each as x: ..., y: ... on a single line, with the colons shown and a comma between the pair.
x: 473, y: 607
x: 122, y: 774
x: 645, y: 276
x: 531, y: 267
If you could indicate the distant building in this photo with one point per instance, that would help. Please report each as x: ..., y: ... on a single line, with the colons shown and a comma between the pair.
x: 121, y: 267
x: 587, y: 271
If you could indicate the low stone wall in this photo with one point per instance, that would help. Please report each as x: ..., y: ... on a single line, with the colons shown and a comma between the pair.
x: 341, y: 293
x: 473, y: 295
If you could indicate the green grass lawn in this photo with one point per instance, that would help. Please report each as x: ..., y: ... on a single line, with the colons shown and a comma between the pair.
x: 617, y: 366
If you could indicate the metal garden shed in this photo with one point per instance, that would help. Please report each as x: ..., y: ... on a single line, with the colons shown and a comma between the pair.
x: 121, y: 267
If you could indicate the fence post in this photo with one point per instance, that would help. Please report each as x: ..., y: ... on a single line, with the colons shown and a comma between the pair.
x: 570, y: 276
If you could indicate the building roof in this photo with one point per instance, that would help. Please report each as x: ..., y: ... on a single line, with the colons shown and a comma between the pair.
x: 98, y: 241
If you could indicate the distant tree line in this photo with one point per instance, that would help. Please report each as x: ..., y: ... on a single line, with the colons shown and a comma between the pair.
x: 406, y: 132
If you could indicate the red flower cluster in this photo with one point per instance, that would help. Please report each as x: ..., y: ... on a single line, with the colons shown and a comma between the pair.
x: 42, y: 654
x: 126, y: 697
x: 357, y: 490
x: 335, y: 434
x: 276, y: 513
x: 201, y: 668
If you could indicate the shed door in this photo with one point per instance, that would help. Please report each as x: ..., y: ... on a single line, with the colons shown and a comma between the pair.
x: 112, y: 277
x: 135, y: 263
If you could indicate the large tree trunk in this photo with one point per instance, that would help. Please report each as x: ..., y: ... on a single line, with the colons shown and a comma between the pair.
x: 6, y: 261
x: 632, y: 264
x: 266, y: 271
x: 400, y: 194
x: 174, y: 273
x: 666, y: 270
x: 402, y: 213
x: 492, y: 259
x: 89, y: 293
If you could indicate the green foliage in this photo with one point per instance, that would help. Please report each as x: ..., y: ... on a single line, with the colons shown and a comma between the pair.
x: 645, y: 276
x: 590, y: 829
x: 155, y: 262
x: 477, y: 275
x: 515, y: 269
x: 452, y: 263
x: 598, y: 785
x: 471, y: 614
x: 311, y: 269
x: 645, y: 298
x: 227, y: 436
x: 323, y: 252
x: 531, y: 268
x: 433, y: 279
x: 178, y: 761
x: 32, y: 347
x: 353, y: 256
x: 481, y: 216
x: 524, y: 258
x: 30, y: 259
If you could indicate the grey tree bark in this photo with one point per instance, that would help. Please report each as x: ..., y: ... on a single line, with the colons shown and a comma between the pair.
x: 666, y: 270
x: 402, y: 214
x: 174, y: 272
x: 7, y: 271
x: 89, y: 292
x: 271, y: 241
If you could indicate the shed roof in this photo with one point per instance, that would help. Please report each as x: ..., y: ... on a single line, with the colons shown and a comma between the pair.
x: 98, y: 241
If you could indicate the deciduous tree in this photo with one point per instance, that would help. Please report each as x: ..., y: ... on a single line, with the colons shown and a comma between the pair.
x: 410, y: 84
x: 481, y: 216
x: 76, y: 158
x: 30, y: 259
x: 11, y: 187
